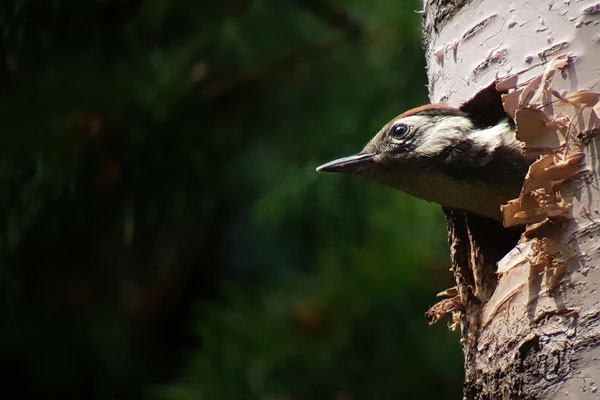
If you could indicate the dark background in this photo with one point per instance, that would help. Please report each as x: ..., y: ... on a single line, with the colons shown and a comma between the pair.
x: 164, y: 234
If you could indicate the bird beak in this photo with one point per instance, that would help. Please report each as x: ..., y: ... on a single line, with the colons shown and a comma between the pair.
x: 349, y: 164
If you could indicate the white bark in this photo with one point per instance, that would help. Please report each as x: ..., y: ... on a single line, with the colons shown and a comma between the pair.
x: 535, y: 332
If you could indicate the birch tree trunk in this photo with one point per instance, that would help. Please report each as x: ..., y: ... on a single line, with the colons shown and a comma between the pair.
x: 530, y: 322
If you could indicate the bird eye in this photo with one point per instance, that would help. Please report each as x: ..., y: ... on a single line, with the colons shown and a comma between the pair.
x: 399, y: 130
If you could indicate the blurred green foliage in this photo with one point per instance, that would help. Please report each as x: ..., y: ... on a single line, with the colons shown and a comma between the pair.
x: 164, y: 232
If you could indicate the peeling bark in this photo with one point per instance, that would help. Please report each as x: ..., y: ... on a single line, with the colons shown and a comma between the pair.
x: 529, y: 315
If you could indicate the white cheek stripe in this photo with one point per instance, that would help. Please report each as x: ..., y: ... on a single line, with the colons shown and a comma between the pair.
x: 437, y: 135
x: 444, y: 132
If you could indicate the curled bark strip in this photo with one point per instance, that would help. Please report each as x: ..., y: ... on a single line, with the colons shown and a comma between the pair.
x: 446, y: 306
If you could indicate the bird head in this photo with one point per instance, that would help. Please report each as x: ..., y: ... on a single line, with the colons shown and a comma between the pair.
x: 406, y: 143
x: 438, y: 153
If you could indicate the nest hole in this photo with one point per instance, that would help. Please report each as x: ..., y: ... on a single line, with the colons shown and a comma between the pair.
x: 485, y: 107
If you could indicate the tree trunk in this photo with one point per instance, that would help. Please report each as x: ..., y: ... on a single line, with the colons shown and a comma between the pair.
x: 530, y: 322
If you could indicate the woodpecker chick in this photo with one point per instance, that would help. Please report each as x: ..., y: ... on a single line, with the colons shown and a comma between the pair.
x: 438, y: 153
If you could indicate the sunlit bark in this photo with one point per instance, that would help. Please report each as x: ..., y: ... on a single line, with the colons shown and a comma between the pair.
x: 530, y: 324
